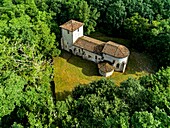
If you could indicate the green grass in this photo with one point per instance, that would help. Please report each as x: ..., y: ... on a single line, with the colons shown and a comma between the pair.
x: 71, y: 70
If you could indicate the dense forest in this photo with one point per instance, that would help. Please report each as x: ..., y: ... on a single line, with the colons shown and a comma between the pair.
x: 29, y: 39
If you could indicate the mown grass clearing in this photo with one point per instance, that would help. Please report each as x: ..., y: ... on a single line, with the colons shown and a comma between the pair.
x: 71, y: 70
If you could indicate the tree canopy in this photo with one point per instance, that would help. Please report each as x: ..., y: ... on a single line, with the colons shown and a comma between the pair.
x: 27, y: 47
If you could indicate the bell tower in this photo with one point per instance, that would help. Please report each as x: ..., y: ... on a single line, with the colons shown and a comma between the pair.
x: 71, y: 31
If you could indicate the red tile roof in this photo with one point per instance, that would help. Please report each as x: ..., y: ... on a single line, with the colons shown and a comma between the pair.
x: 105, y: 67
x: 90, y: 44
x: 71, y: 25
x: 115, y: 50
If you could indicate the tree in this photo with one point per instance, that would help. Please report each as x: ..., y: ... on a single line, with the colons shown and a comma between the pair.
x: 94, y: 104
x: 158, y: 86
x: 78, y: 10
x: 116, y: 14
x: 134, y: 94
x: 11, y: 89
x: 162, y: 117
x: 144, y: 120
x: 158, y: 41
x: 27, y: 46
x: 84, y: 13
x: 136, y: 28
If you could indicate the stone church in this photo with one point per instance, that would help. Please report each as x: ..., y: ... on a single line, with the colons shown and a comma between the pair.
x: 109, y: 56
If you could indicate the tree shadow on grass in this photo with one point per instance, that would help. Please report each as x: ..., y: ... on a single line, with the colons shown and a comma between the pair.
x: 61, y: 96
x: 88, y: 68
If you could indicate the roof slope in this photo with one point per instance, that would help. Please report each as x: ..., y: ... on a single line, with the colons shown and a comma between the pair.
x: 90, y: 44
x: 71, y: 25
x: 105, y: 67
x: 115, y: 50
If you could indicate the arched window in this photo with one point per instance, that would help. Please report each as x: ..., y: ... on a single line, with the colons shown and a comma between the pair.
x: 74, y: 50
x: 89, y: 56
x: 117, y: 66
x: 70, y: 51
x: 123, y: 64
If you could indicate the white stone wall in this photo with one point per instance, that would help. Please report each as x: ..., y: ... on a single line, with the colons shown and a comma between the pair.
x: 77, y: 33
x: 64, y: 45
x: 106, y: 74
x: 86, y: 54
x: 77, y: 51
x: 92, y: 56
x: 67, y: 37
x: 109, y: 73
x: 117, y: 61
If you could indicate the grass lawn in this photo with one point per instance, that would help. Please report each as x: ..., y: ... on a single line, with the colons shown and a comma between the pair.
x: 71, y: 70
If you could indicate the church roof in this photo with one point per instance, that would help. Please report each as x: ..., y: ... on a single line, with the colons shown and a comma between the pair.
x: 98, y: 47
x: 90, y: 44
x: 105, y: 67
x: 71, y: 25
x: 115, y: 50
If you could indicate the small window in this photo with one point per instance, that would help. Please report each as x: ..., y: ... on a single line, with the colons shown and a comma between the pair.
x: 117, y: 66
x: 113, y: 61
x: 67, y: 31
x: 89, y: 56
x: 96, y: 57
x: 74, y: 49
x: 79, y: 50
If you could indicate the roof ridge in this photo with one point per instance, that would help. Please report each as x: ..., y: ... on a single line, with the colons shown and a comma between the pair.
x: 120, y: 50
x: 117, y: 47
x: 71, y: 25
x: 116, y: 51
x: 106, y: 67
x: 93, y: 39
x: 114, y: 46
